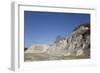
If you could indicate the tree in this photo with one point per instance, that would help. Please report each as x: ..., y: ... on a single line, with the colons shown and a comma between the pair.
x: 58, y: 38
x: 25, y: 49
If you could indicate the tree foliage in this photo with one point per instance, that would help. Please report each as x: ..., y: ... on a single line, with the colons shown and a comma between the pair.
x: 59, y: 37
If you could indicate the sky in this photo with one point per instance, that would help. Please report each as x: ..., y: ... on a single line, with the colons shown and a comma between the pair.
x: 44, y: 27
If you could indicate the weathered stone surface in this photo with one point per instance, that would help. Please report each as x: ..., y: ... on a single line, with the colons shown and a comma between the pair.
x: 36, y: 52
x: 37, y: 48
x: 74, y: 46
